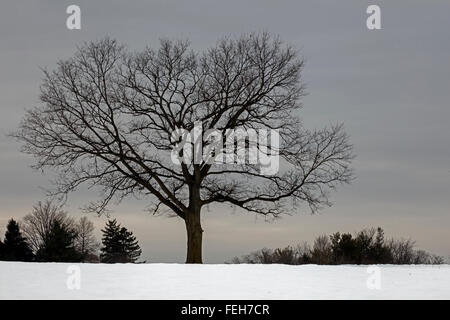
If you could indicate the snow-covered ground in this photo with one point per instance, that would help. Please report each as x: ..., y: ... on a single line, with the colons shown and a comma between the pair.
x: 179, y: 281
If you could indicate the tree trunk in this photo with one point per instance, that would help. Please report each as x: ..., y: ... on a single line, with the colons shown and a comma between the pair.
x: 194, y: 237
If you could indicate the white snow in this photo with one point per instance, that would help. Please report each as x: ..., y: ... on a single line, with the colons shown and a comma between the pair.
x: 178, y: 281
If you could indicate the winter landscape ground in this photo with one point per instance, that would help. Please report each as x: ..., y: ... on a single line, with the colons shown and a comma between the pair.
x: 180, y: 281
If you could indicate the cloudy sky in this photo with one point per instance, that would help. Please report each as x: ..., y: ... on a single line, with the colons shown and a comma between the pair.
x: 390, y: 87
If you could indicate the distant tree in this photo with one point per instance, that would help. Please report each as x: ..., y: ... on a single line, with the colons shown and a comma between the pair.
x: 303, y: 254
x: 59, y: 245
x: 1, y: 250
x: 263, y: 256
x: 381, y: 252
x: 421, y: 257
x: 300, y: 254
x: 402, y: 251
x: 85, y: 242
x: 37, y: 225
x: 436, y: 259
x: 321, y: 252
x: 285, y: 255
x: 365, y: 247
x: 15, y: 246
x: 343, y: 247
x: 119, y: 244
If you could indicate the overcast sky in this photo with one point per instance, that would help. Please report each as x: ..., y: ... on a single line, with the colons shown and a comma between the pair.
x: 390, y: 87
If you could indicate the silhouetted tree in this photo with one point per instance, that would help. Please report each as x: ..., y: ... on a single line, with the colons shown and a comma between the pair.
x: 119, y: 244
x: 37, y: 225
x: 303, y: 254
x: 403, y: 252
x: 58, y: 245
x: 343, y: 248
x: 85, y: 242
x: 263, y: 256
x: 380, y: 249
x: 15, y: 246
x: 112, y: 249
x: 322, y: 252
x: 108, y: 119
x: 366, y: 247
x: 284, y: 256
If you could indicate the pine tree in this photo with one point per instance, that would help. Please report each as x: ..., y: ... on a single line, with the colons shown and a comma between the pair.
x: 59, y: 245
x: 131, y: 245
x: 15, y: 246
x: 111, y: 250
x: 382, y: 252
x: 119, y: 244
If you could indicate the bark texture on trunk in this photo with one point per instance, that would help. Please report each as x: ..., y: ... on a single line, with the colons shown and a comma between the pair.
x: 194, y: 237
x: 194, y: 228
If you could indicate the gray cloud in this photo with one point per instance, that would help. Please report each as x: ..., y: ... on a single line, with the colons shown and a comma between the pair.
x: 390, y: 87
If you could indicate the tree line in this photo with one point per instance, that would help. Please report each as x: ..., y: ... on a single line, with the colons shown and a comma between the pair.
x: 48, y: 234
x: 368, y: 246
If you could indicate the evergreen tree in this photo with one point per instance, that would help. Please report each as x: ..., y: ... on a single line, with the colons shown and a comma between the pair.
x: 111, y: 250
x: 15, y: 246
x: 119, y: 244
x: 130, y: 244
x: 59, y: 245
x: 382, y: 253
x: 1, y: 250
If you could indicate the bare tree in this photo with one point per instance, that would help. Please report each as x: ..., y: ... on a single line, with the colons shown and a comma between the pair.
x: 85, y: 242
x: 108, y: 116
x: 37, y: 224
x: 322, y: 252
x: 402, y: 250
x: 263, y: 256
